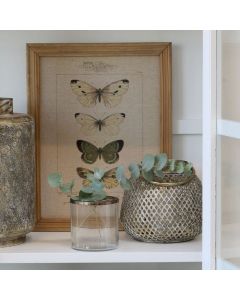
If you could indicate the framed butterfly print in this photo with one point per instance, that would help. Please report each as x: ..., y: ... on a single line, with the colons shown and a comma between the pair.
x: 95, y: 105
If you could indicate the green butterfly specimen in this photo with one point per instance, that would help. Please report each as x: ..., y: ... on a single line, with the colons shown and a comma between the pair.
x: 110, y: 94
x: 109, y: 153
x: 109, y: 178
x: 109, y: 125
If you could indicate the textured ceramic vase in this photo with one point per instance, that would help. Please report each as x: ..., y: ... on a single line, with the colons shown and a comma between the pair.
x: 17, y: 175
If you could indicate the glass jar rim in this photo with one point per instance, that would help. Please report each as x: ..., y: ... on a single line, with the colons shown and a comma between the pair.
x: 105, y: 201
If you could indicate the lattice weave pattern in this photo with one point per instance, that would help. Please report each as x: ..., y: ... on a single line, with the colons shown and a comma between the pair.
x: 154, y: 213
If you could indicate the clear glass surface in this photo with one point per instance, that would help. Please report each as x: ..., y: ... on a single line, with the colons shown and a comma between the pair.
x: 230, y: 72
x: 228, y: 242
x: 94, y: 227
x: 228, y: 149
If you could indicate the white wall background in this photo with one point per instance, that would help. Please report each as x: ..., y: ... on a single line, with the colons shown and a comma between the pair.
x: 187, y: 75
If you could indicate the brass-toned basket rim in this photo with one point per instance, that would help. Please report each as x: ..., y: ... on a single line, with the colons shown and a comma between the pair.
x: 106, y: 201
x: 169, y: 184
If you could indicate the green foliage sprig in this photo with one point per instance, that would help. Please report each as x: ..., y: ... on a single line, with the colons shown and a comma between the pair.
x: 94, y: 192
x: 151, y: 166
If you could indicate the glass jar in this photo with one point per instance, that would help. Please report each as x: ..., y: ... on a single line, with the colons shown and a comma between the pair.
x: 94, y: 224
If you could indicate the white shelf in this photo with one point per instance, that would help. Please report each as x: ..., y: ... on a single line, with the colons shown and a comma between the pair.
x: 55, y: 247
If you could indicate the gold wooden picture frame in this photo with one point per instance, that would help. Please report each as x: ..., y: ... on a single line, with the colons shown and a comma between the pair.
x: 37, y: 52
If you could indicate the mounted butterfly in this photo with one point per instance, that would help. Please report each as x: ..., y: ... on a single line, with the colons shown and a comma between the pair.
x: 110, y: 94
x: 109, y: 125
x: 109, y: 153
x: 109, y: 179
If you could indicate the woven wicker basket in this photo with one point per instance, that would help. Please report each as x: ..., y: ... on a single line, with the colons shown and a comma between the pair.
x: 166, y: 212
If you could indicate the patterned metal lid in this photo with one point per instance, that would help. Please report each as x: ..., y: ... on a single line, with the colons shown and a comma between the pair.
x: 6, y: 105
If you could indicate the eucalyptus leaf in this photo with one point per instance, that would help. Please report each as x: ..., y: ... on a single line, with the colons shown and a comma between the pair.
x: 126, y: 184
x: 54, y: 180
x: 180, y: 167
x: 148, y: 162
x: 87, y: 189
x: 90, y: 197
x: 172, y: 164
x: 94, y: 197
x: 98, y: 196
x: 161, y: 161
x: 158, y: 173
x: 98, y: 173
x: 148, y: 175
x: 120, y: 173
x: 188, y: 169
x: 90, y: 176
x: 135, y: 171
x: 75, y: 198
x: 66, y: 187
x: 97, y: 186
x: 84, y: 195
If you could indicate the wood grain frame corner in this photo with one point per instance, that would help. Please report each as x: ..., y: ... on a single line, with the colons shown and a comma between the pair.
x: 34, y: 54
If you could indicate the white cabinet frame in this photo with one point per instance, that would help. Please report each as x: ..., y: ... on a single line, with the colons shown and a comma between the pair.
x: 209, y: 148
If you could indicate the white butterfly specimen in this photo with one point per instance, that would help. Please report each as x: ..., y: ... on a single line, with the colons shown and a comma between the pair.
x: 109, y: 125
x: 110, y: 94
